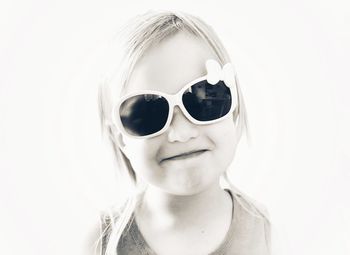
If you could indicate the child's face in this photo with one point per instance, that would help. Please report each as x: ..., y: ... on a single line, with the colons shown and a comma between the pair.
x: 209, y: 149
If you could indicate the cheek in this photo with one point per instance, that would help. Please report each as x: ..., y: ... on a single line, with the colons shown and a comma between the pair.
x: 141, y: 153
x: 135, y: 150
x: 224, y: 136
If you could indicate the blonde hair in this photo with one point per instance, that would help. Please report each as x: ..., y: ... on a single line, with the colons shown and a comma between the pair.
x: 135, y: 39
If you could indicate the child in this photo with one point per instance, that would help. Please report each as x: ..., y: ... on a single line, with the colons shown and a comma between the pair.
x: 175, y: 117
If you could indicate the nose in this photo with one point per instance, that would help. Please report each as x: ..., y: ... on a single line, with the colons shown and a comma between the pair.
x: 181, y: 129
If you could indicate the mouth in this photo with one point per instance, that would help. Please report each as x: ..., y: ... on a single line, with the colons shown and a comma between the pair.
x: 186, y: 155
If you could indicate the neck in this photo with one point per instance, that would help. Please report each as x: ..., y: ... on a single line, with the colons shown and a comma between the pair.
x: 176, y: 211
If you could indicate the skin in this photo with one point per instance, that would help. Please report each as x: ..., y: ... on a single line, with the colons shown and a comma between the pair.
x: 184, y: 205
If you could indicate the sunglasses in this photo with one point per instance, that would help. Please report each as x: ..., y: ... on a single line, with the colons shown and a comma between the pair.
x: 206, y: 100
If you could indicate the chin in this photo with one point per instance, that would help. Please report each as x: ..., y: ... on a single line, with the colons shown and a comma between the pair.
x: 188, y: 188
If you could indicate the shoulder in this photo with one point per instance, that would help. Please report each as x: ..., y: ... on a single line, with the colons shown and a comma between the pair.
x: 109, y: 219
x: 111, y: 215
x: 252, y: 207
x: 254, y: 219
x: 98, y: 234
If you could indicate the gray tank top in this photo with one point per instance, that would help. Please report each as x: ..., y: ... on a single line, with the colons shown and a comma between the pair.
x: 249, y: 234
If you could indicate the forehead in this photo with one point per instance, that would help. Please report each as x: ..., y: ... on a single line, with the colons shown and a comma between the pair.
x: 171, y: 64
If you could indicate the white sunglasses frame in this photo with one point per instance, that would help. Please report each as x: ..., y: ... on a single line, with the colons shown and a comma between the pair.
x: 173, y: 100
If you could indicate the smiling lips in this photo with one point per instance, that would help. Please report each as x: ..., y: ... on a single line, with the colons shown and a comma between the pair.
x: 186, y: 155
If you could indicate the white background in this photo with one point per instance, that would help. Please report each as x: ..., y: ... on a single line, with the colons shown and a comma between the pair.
x: 56, y: 172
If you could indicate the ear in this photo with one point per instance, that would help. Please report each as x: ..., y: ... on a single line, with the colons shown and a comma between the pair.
x: 236, y: 116
x: 116, y: 137
x: 120, y: 142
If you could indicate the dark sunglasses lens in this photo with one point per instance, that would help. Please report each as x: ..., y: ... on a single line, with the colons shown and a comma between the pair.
x: 143, y: 115
x: 205, y: 102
